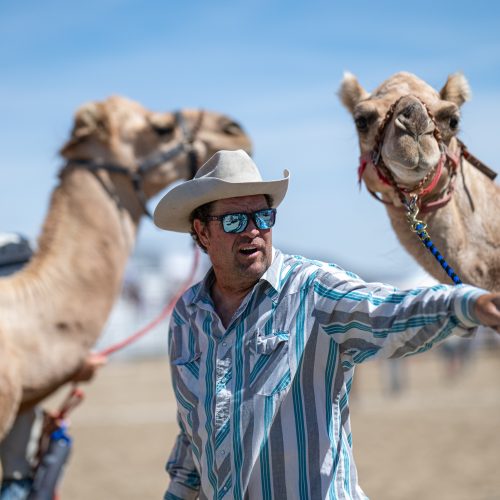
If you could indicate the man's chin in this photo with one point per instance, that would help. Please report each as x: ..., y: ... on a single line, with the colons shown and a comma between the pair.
x: 253, y: 265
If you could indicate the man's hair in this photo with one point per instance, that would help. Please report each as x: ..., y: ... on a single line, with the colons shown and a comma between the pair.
x: 203, y: 211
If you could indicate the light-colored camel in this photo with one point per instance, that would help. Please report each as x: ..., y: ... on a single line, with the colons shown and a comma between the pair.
x: 55, y: 308
x: 409, y: 147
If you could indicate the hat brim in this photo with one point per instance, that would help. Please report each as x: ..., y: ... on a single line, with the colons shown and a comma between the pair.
x: 174, y: 209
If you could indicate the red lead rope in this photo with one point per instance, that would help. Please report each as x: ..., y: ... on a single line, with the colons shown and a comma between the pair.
x: 76, y: 395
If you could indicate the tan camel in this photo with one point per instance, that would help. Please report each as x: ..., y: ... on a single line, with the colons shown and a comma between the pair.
x: 55, y: 308
x: 410, y: 153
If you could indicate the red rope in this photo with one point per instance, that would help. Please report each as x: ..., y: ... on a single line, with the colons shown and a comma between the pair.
x: 76, y: 394
x: 163, y: 314
x: 73, y: 399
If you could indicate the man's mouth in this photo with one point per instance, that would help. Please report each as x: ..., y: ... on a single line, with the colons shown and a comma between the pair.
x: 249, y: 250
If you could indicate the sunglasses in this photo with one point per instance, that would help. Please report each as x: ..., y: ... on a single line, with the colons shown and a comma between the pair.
x: 237, y: 223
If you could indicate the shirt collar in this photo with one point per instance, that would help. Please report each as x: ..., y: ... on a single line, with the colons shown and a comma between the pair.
x: 273, y: 273
x: 201, y: 292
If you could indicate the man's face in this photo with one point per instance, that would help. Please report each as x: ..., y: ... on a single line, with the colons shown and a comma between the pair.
x: 237, y: 258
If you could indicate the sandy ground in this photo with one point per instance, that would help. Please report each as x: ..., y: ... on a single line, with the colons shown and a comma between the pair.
x: 438, y: 439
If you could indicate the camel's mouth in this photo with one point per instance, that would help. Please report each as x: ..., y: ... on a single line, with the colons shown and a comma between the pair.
x: 409, y: 174
x: 410, y: 148
x: 410, y: 160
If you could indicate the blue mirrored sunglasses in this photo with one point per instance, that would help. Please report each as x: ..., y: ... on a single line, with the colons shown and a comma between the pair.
x: 237, y: 223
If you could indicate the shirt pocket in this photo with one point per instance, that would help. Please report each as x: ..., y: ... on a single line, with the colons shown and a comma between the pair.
x: 187, y: 371
x: 269, y: 365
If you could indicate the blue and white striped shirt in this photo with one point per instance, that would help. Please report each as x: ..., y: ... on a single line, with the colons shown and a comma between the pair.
x: 263, y: 404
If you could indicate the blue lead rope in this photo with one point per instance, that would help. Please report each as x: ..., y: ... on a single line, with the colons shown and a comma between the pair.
x: 420, y: 228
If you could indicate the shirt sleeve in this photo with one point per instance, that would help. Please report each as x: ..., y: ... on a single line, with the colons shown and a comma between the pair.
x: 372, y: 320
x: 184, y: 477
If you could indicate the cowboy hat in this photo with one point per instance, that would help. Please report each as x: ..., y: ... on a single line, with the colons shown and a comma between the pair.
x: 226, y: 174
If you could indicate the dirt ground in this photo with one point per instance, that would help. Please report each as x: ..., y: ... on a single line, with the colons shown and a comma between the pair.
x: 437, y: 439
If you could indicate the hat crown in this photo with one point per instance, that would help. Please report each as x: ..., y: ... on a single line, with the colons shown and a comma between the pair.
x: 230, y: 166
x: 227, y: 174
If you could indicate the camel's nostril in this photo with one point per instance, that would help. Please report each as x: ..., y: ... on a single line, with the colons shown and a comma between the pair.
x: 414, y: 120
x: 411, y: 110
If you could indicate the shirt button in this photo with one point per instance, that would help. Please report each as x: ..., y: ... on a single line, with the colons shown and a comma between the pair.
x: 224, y: 344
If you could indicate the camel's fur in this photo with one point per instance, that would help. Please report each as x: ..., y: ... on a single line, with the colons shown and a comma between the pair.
x: 55, y: 308
x: 467, y: 229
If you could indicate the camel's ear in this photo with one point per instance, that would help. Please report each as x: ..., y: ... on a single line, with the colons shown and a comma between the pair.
x: 351, y: 92
x: 89, y: 121
x: 456, y: 89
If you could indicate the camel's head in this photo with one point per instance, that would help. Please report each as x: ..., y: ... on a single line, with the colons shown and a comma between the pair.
x: 399, y: 118
x: 121, y: 132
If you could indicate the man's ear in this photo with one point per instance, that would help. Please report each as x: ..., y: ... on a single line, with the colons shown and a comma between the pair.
x: 202, y: 231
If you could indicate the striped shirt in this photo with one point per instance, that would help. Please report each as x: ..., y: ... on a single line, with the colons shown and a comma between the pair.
x: 263, y: 405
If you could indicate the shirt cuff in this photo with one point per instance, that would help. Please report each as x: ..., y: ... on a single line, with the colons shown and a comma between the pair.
x: 463, y: 304
x: 177, y: 491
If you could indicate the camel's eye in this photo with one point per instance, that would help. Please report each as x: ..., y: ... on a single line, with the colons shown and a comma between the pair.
x: 164, y: 130
x: 233, y: 128
x: 361, y: 123
x: 161, y: 124
x: 364, y: 119
x: 449, y: 119
x: 454, y: 121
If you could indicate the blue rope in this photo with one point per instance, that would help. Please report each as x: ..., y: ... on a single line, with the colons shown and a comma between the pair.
x: 420, y: 228
x: 427, y: 242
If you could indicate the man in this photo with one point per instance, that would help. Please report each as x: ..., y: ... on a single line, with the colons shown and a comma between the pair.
x: 262, y: 351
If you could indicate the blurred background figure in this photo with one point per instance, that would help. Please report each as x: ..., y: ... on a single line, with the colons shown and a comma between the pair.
x: 456, y: 354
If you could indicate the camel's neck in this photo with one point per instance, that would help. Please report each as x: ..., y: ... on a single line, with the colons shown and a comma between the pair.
x: 63, y: 297
x: 465, y: 231
x: 86, y: 241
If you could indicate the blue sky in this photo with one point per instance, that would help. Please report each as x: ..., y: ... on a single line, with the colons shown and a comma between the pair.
x: 274, y: 66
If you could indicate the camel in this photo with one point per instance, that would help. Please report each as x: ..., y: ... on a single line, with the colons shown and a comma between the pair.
x: 412, y: 161
x: 53, y: 310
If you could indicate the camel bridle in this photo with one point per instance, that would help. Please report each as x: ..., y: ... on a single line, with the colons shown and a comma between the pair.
x: 184, y: 146
x: 448, y: 159
x: 425, y: 186
x: 411, y: 198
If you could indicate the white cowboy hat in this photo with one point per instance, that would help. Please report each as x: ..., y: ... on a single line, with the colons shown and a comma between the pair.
x: 226, y: 174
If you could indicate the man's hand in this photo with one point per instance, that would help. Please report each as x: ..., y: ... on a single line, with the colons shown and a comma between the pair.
x: 487, y: 310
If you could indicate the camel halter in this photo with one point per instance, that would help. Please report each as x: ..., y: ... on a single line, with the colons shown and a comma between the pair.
x: 151, y: 162
x: 429, y: 182
x: 411, y: 198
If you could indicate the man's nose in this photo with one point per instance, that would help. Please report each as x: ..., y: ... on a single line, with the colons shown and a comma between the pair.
x: 251, y: 228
